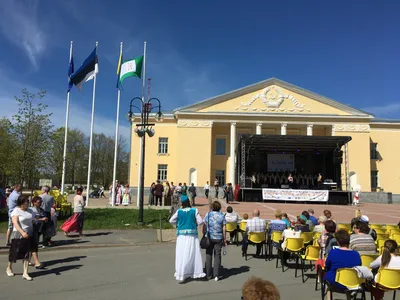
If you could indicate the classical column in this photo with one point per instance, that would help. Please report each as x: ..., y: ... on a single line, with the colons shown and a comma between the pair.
x: 283, y: 128
x: 333, y: 130
x: 259, y: 128
x: 232, y: 155
x: 309, y: 129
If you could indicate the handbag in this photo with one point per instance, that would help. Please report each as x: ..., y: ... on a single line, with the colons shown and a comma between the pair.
x: 205, y: 240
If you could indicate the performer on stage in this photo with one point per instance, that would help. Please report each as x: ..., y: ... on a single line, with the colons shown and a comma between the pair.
x: 290, y: 180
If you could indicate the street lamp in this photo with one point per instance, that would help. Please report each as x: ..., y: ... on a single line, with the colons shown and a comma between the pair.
x: 145, y: 109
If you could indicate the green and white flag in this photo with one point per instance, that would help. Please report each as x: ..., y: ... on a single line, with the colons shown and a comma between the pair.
x: 131, y: 68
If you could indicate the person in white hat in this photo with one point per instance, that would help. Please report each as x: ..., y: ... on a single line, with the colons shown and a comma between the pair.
x: 372, y: 232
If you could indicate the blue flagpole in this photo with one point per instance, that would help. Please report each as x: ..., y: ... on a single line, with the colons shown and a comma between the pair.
x: 66, y: 125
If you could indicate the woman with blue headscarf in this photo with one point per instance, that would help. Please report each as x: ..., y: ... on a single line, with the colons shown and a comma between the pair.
x: 188, y: 260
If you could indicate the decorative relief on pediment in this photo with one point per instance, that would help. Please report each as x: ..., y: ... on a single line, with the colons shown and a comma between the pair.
x: 352, y: 127
x: 195, y: 123
x: 272, y: 97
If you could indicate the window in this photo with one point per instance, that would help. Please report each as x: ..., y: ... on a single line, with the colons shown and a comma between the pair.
x: 220, y: 175
x: 221, y: 145
x: 162, y: 145
x: 374, y: 151
x: 162, y: 172
x: 374, y: 180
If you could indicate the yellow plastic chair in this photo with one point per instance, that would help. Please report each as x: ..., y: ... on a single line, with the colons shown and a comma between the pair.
x: 379, y: 230
x: 242, y: 226
x: 396, y: 237
x: 384, y: 237
x: 393, y: 232
x: 376, y: 226
x: 390, y: 227
x: 312, y: 255
x: 293, y: 246
x: 367, y: 259
x: 276, y: 237
x: 232, y: 227
x: 307, y: 237
x: 344, y: 227
x: 316, y: 235
x: 388, y: 279
x: 349, y: 278
x: 257, y: 238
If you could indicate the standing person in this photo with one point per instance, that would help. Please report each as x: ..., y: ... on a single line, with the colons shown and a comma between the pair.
x: 206, y: 191
x: 119, y: 194
x: 12, y: 203
x: 126, y: 200
x: 151, y: 194
x: 179, y: 190
x: 216, y: 186
x: 193, y: 194
x: 229, y: 192
x: 101, y: 192
x: 167, y: 194
x: 38, y: 217
x: 188, y: 261
x: 319, y: 181
x: 214, y: 225
x: 158, y: 193
x: 75, y: 222
x: 21, y: 237
x: 356, y: 197
x: 47, y: 203
x: 184, y: 189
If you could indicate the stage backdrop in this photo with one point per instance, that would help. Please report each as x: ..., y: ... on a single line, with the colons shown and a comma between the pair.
x: 295, y: 195
x: 280, y: 162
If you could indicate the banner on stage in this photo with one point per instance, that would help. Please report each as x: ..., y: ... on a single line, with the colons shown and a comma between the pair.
x: 295, y: 195
x: 280, y: 162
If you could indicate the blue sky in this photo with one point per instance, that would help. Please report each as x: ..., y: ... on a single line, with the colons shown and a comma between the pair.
x: 346, y: 50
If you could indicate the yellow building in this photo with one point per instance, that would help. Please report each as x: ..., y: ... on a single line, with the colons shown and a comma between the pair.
x: 197, y: 143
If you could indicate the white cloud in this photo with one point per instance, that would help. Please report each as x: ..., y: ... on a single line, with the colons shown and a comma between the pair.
x: 19, y: 23
x: 385, y: 111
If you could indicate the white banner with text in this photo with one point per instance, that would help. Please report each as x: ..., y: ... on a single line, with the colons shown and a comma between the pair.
x: 295, y: 195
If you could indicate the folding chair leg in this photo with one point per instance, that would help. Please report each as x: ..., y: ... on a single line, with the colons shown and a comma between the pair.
x: 277, y: 258
x: 297, y: 266
x: 394, y: 295
x: 302, y: 269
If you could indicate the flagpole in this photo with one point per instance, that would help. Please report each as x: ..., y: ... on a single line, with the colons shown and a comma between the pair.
x: 113, y: 194
x: 91, y: 133
x: 142, y: 139
x: 66, y: 130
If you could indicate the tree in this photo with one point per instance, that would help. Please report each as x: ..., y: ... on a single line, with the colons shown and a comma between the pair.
x: 32, y: 129
x: 7, y: 145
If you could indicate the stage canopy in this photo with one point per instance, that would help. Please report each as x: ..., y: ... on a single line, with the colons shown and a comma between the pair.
x: 301, y: 143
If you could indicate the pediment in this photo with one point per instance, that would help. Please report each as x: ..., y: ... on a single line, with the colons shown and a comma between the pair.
x: 271, y: 97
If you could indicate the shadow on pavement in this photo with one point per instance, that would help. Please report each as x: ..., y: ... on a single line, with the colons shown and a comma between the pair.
x: 56, y: 271
x: 97, y: 234
x: 50, y: 263
x: 67, y: 242
x: 226, y: 273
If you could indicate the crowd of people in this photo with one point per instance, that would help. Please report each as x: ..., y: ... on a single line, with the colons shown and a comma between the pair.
x: 31, y: 218
x: 339, y: 248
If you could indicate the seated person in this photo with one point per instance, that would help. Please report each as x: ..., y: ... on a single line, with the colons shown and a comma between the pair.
x: 286, y: 219
x: 327, y: 240
x: 256, y: 224
x: 341, y: 257
x: 277, y: 225
x: 306, y: 217
x: 245, y: 218
x: 321, y: 226
x: 301, y: 226
x: 256, y: 289
x: 355, y: 219
x: 371, y: 232
x: 231, y: 217
x: 390, y: 260
x: 313, y: 219
x: 361, y: 241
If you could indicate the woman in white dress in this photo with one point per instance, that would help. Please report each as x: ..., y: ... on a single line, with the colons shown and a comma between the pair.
x: 188, y: 260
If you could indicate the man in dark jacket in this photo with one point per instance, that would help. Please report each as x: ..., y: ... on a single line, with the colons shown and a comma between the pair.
x: 158, y: 192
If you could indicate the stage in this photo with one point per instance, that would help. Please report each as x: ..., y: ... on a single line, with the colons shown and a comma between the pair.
x: 284, y: 168
x: 295, y: 196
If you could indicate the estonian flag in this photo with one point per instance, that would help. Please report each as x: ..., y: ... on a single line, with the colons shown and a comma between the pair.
x: 70, y: 72
x: 87, y: 71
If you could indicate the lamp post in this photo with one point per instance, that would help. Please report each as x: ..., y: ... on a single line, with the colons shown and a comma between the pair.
x: 145, y: 109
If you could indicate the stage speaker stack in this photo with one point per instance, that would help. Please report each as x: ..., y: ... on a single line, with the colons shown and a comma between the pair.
x: 337, y: 157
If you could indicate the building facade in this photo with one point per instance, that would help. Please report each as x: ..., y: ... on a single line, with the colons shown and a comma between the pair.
x: 197, y: 143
